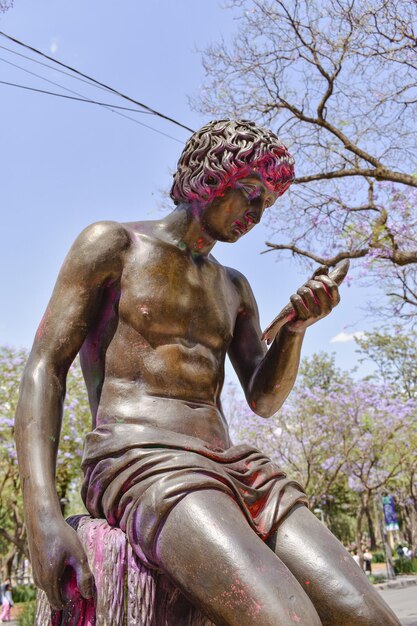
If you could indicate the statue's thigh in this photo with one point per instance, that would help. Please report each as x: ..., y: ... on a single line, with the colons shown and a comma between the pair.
x: 212, y: 554
x: 338, y: 588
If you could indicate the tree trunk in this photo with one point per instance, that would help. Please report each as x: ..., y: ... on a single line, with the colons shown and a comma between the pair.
x: 410, y: 531
x: 371, y: 525
x: 359, y: 520
x: 378, y: 535
x: 9, y: 564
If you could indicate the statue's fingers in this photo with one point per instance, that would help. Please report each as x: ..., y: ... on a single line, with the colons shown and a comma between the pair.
x: 84, y: 577
x: 322, y: 293
x: 300, y: 306
x: 86, y: 584
x: 55, y: 598
x: 331, y: 288
x: 307, y: 293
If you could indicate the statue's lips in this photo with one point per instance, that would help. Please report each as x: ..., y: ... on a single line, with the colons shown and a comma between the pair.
x: 240, y: 227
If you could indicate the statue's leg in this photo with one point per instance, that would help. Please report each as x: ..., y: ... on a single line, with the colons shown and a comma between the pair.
x: 211, y: 553
x: 338, y: 588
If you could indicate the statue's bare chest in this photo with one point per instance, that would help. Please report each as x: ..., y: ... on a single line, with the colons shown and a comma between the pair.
x: 165, y: 293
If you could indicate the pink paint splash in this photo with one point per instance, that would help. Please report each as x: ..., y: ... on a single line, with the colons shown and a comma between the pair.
x: 78, y: 611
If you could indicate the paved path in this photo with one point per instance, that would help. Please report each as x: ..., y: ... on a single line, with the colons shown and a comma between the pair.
x: 403, y: 601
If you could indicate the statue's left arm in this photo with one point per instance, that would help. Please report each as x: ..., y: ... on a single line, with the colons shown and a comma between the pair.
x: 267, y: 376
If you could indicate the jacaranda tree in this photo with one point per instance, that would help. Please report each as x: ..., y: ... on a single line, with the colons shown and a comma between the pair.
x: 345, y: 440
x: 76, y: 423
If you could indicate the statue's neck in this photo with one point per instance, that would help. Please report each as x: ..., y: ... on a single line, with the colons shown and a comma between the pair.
x: 185, y: 229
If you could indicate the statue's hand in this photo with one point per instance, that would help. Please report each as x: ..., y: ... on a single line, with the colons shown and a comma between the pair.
x: 314, y: 300
x: 53, y: 553
x: 298, y: 316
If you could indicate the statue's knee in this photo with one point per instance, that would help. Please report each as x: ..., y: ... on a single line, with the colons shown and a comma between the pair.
x: 372, y: 614
x: 360, y: 609
x: 278, y: 611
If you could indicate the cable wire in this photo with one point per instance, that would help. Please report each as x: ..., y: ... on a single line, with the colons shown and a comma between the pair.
x: 55, y: 69
x: 62, y: 95
x: 51, y: 82
x: 97, y: 82
x: 108, y: 107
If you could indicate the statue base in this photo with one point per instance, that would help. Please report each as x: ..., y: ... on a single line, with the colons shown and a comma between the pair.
x: 127, y: 592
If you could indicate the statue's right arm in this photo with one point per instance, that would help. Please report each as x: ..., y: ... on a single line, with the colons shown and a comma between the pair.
x: 95, y: 259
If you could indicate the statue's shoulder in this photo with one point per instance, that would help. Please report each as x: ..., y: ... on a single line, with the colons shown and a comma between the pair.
x: 102, y: 241
x: 242, y: 286
x: 237, y: 278
x: 99, y: 249
x: 105, y: 235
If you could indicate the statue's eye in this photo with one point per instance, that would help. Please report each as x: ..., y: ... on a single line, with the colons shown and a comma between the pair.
x: 250, y: 192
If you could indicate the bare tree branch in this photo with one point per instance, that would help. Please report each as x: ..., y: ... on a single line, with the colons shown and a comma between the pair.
x: 339, y: 78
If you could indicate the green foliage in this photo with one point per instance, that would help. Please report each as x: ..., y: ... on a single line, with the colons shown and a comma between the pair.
x: 76, y: 422
x: 27, y: 617
x: 376, y: 580
x: 12, y: 531
x: 393, y: 352
x: 345, y: 440
x: 342, y: 525
x: 378, y: 556
x: 24, y: 593
x: 405, y: 566
x: 394, y: 355
x: 320, y: 371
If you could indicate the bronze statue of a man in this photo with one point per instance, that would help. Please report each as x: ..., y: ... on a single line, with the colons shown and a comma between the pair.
x: 153, y: 314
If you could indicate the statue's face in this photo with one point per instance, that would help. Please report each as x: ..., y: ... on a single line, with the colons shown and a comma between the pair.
x: 236, y: 212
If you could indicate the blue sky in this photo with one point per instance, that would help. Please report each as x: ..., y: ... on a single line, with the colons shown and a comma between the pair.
x: 66, y: 164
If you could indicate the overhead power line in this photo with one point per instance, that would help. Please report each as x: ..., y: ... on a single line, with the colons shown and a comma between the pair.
x: 51, y: 67
x: 110, y: 107
x: 47, y: 80
x: 97, y: 82
x: 62, y: 95
x: 80, y: 95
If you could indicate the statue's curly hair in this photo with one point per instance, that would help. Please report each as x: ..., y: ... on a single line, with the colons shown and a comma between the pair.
x: 224, y: 150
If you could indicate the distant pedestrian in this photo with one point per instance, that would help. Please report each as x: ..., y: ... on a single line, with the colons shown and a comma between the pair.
x: 355, y: 557
x: 367, y: 561
x: 7, y: 602
x: 3, y: 589
x: 407, y: 552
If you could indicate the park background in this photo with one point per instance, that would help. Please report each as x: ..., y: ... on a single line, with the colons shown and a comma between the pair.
x: 66, y: 164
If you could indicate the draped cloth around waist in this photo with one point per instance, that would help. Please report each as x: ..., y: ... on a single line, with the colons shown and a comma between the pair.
x: 135, y: 475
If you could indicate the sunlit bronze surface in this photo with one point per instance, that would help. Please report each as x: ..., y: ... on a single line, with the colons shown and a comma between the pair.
x: 153, y: 315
